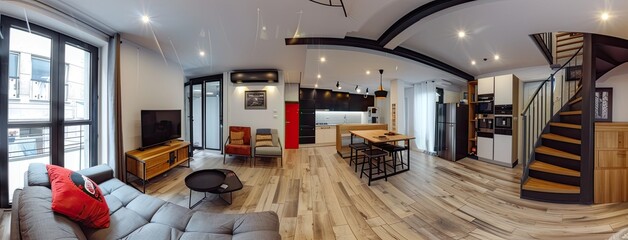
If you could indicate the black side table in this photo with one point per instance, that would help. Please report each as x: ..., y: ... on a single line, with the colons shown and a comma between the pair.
x: 216, y: 181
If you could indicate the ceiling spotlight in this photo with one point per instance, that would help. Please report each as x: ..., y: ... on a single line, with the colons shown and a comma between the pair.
x: 323, y: 59
x: 605, y: 16
x: 145, y: 19
x: 316, y: 85
x: 202, y: 53
x: 338, y: 85
x: 368, y: 72
x: 473, y: 62
x: 461, y: 34
x: 264, y: 28
x: 496, y: 57
x: 318, y: 76
x: 357, y: 89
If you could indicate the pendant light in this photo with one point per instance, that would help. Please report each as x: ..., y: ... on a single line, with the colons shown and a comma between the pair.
x: 381, y: 93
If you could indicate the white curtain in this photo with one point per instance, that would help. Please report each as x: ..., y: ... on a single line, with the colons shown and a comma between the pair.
x: 425, y: 115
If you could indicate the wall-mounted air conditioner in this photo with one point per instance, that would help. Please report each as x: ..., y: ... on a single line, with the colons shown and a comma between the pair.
x: 255, y: 76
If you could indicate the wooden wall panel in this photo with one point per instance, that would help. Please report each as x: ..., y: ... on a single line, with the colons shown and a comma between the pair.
x: 611, y: 163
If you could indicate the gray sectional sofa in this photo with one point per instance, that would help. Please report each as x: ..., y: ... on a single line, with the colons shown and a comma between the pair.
x: 133, y: 215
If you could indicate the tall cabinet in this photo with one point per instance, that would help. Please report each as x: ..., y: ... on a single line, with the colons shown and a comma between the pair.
x: 495, y: 119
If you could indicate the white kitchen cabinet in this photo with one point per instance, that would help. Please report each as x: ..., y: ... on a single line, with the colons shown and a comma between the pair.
x: 503, y: 149
x: 504, y: 89
x: 325, y: 134
x: 485, y: 148
x: 486, y: 86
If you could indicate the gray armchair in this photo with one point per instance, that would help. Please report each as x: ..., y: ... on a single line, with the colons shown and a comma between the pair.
x: 270, y: 148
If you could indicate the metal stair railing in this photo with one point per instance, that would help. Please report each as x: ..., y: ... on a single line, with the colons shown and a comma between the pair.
x: 541, y: 107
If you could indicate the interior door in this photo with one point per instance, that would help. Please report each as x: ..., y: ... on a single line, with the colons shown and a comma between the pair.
x: 292, y: 126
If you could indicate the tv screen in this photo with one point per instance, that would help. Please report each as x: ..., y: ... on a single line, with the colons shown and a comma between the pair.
x: 159, y: 126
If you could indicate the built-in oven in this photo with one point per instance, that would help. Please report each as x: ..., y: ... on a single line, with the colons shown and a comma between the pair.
x: 503, y: 109
x: 503, y: 125
x: 503, y: 122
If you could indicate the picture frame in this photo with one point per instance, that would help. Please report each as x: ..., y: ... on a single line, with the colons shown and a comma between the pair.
x: 573, y: 73
x: 603, y: 100
x: 255, y: 100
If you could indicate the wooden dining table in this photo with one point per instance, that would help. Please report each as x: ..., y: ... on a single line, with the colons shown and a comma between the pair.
x: 382, y: 136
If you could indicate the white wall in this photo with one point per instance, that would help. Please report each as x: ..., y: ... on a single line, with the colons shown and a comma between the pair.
x: 291, y: 92
x: 397, y: 96
x: 235, y: 114
x: 409, y: 96
x: 451, y: 96
x: 618, y: 80
x: 148, y: 83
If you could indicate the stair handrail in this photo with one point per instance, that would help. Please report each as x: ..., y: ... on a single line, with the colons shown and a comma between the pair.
x: 528, y: 155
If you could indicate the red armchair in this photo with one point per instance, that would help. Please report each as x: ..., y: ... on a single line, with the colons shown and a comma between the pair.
x: 238, y: 143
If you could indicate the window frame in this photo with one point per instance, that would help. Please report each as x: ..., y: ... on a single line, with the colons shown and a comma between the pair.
x: 57, y: 122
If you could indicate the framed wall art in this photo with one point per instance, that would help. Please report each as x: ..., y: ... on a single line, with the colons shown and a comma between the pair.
x: 255, y: 100
x: 603, y: 111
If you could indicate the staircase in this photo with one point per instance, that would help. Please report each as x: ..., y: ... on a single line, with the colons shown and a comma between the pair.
x: 554, y: 172
x: 558, y: 124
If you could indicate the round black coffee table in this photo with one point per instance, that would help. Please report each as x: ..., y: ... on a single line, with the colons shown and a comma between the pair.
x: 216, y: 181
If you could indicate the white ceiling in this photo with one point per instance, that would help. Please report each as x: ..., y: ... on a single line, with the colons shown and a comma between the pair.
x: 233, y: 36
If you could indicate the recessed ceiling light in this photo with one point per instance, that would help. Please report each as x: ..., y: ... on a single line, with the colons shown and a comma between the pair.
x: 323, y: 59
x: 145, y: 19
x: 496, y: 57
x: 264, y: 28
x: 202, y: 53
x: 316, y: 85
x: 605, y: 16
x: 473, y: 62
x: 368, y: 72
x: 461, y: 34
x: 318, y: 76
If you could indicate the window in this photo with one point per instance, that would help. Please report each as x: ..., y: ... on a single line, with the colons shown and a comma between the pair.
x: 40, y: 69
x: 57, y: 122
x: 14, y: 78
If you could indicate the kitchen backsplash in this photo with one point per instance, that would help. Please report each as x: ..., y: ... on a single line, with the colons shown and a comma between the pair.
x: 333, y: 118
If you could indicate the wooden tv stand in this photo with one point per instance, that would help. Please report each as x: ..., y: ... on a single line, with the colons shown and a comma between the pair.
x: 148, y: 163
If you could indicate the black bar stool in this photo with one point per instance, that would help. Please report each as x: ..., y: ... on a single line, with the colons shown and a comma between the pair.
x: 394, y: 151
x: 374, y: 156
x: 357, y: 147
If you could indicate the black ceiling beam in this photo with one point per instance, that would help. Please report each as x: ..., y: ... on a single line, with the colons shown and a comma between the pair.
x: 373, y: 45
x: 416, y: 15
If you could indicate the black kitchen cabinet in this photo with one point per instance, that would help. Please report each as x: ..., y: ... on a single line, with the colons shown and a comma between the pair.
x: 357, y: 102
x: 368, y: 102
x: 307, y: 98
x: 341, y: 102
x: 325, y: 99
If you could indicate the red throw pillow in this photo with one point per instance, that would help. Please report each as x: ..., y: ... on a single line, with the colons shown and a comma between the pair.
x: 78, y: 197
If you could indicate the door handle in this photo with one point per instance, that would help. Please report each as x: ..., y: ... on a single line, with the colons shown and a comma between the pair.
x: 287, y: 122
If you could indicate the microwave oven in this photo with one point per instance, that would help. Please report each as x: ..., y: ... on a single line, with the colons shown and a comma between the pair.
x: 484, y: 107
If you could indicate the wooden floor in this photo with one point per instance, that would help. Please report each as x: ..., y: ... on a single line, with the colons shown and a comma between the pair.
x: 318, y: 196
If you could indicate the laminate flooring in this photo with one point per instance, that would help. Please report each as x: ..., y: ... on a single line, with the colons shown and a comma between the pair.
x: 318, y: 196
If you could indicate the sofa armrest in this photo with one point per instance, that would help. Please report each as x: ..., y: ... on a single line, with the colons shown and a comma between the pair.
x: 15, y: 221
x: 98, y: 174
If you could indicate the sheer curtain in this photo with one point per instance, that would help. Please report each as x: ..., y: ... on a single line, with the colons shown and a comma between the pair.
x: 425, y: 115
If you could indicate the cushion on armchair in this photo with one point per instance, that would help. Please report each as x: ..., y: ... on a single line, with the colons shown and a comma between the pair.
x: 237, y: 138
x: 238, y: 149
x: 263, y: 140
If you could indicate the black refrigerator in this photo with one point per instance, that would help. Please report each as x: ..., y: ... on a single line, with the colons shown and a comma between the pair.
x: 452, y: 130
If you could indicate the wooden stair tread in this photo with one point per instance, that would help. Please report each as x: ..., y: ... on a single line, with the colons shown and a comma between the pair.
x: 550, y: 168
x: 538, y: 185
x: 560, y: 138
x: 568, y: 49
x: 578, y: 112
x: 575, y: 100
x: 556, y: 153
x: 568, y: 43
x: 565, y: 125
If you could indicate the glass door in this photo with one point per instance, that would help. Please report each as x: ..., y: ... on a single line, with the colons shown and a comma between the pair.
x: 213, y: 127
x: 196, y: 106
x: 205, y: 112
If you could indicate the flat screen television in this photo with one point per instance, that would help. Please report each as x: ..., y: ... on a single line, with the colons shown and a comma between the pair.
x: 159, y: 126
